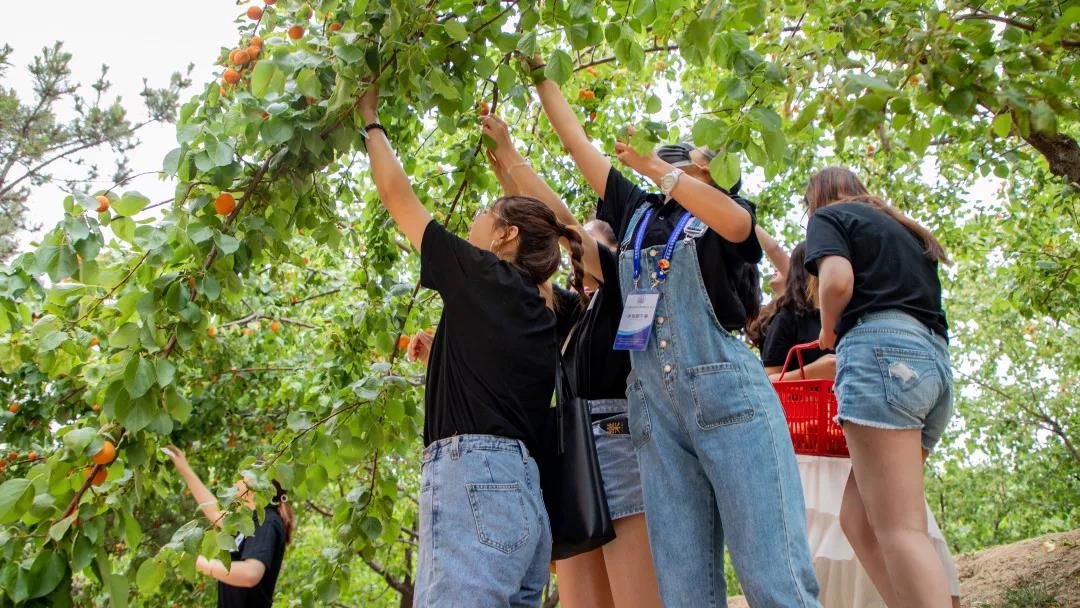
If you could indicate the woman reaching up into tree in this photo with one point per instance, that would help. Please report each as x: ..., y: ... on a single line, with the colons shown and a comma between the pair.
x: 249, y: 581
x: 713, y: 449
x: 880, y: 301
x: 485, y: 539
x: 620, y: 573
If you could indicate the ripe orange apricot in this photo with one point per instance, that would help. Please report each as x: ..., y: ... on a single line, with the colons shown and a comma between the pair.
x: 307, y: 260
x: 296, y: 32
x: 335, y: 27
x: 12, y: 456
x: 99, y: 473
x: 239, y: 57
x: 402, y: 342
x: 13, y: 408
x: 96, y: 407
x: 106, y: 454
x: 32, y: 456
x: 224, y: 204
x: 94, y: 341
x: 275, y: 326
x: 269, y: 2
x: 485, y: 109
x: 255, y: 41
x: 211, y: 331
x: 253, y: 52
x: 2, y: 465
x: 269, y: 427
x: 254, y: 13
x: 231, y: 76
x: 247, y: 331
x: 103, y: 203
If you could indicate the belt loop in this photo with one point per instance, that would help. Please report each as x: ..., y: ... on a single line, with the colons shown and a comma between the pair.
x: 523, y: 450
x: 455, y: 447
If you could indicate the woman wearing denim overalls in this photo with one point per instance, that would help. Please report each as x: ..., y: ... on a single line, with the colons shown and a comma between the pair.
x: 716, y: 460
x: 485, y: 539
x: 880, y: 301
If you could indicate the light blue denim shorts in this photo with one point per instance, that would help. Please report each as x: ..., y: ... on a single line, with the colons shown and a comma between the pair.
x: 618, y: 462
x: 892, y: 372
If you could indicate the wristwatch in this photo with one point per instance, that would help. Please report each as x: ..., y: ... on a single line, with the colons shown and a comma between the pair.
x: 669, y: 181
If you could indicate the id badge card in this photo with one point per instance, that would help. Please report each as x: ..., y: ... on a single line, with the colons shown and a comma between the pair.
x: 636, y: 324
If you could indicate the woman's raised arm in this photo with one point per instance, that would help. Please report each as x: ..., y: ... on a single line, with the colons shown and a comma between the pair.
x: 592, y: 163
x: 395, y: 190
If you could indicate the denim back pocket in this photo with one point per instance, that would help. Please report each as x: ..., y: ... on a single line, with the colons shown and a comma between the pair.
x: 720, y: 396
x: 638, y: 418
x: 499, y: 512
x: 913, y: 382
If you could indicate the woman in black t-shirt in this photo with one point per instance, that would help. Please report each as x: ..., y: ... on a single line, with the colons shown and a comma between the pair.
x: 716, y: 461
x: 794, y: 320
x: 880, y: 301
x: 491, y: 375
x: 249, y: 581
x: 621, y: 572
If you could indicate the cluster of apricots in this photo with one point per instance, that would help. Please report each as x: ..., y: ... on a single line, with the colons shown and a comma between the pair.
x: 101, y: 460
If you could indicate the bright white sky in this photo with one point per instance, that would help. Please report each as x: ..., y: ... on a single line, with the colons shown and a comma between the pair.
x: 136, y: 39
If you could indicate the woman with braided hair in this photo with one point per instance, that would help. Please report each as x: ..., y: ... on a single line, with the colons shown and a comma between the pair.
x: 485, y: 538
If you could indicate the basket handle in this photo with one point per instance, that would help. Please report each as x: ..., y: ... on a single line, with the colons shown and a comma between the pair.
x: 797, y: 351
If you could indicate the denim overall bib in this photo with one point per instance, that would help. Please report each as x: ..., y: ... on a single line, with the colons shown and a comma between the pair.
x: 712, y: 443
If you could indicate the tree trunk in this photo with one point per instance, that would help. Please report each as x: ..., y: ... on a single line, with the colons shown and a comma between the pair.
x: 1061, y: 152
x: 406, y: 597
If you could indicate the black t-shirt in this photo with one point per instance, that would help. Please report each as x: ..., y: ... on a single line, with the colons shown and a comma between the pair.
x: 785, y: 330
x: 719, y: 258
x: 598, y: 371
x: 890, y: 266
x: 266, y: 544
x: 492, y: 364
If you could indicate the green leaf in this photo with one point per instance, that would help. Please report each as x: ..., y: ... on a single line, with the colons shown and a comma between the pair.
x: 57, y: 530
x: 559, y: 67
x: 78, y: 439
x: 226, y: 243
x: 308, y: 83
x: 138, y: 376
x: 13, y: 499
x: 456, y: 30
x: 276, y: 131
x: 130, y: 204
x: 46, y: 573
x: 959, y: 102
x: 172, y: 162
x: 149, y: 576
x: 124, y: 229
x: 724, y: 169
x: 919, y: 140
x: 775, y: 144
x: 260, y: 78
x: 1002, y: 124
x: 165, y: 372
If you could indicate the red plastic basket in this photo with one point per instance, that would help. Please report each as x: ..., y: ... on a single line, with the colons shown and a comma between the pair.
x: 810, y: 406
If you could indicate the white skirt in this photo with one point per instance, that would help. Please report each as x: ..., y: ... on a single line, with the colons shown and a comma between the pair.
x: 844, y: 583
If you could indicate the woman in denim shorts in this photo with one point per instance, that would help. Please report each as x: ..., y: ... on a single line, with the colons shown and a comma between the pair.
x: 485, y: 539
x: 880, y: 301
x: 620, y: 573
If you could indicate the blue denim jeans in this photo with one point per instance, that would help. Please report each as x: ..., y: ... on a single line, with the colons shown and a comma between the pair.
x: 717, y: 465
x: 618, y: 463
x: 892, y: 372
x: 484, y: 534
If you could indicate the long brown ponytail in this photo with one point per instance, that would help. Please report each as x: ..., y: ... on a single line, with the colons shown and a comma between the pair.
x: 839, y: 185
x: 285, y: 510
x: 539, y: 232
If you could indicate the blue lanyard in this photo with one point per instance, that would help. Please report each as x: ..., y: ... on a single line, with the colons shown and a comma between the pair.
x: 669, y: 249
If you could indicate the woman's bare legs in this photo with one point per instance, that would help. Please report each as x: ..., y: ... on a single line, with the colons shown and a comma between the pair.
x: 583, y: 581
x: 887, y: 475
x: 630, y: 572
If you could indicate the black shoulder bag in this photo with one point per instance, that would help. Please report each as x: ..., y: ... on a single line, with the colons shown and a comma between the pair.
x: 571, y: 482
